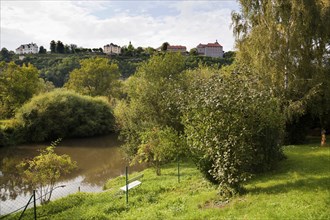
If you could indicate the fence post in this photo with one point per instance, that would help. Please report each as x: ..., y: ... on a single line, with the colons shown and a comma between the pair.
x: 126, y: 185
x: 34, y: 204
x: 20, y: 217
x: 178, y: 170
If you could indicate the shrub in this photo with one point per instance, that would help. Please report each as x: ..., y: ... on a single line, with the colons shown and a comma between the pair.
x: 61, y: 113
x: 233, y: 128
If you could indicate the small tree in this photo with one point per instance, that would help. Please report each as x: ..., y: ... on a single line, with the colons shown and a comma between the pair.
x: 164, y: 46
x: 44, y: 170
x: 42, y: 50
x: 158, y: 147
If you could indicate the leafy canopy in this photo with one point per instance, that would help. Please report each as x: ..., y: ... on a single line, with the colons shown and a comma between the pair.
x: 151, y: 108
x: 62, y: 113
x: 44, y: 170
x: 17, y: 85
x: 232, y: 126
x: 95, y: 77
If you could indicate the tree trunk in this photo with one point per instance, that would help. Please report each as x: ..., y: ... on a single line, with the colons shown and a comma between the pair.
x: 323, y: 138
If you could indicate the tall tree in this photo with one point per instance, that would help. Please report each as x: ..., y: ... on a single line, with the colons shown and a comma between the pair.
x: 73, y: 48
x: 287, y: 44
x: 60, y: 47
x: 52, y: 46
x: 67, y: 49
x: 95, y: 77
x: 17, y: 85
x: 149, y: 118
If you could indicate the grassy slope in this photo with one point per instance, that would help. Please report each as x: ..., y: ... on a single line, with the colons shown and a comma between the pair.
x: 298, y: 189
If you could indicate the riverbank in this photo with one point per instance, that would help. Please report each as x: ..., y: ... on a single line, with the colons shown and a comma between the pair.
x: 298, y: 189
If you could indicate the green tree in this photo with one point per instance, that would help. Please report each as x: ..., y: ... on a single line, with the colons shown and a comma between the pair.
x: 159, y: 146
x: 61, y: 114
x: 58, y: 73
x: 67, y: 49
x: 164, y: 46
x: 286, y: 43
x: 43, y: 171
x: 193, y: 52
x: 95, y: 77
x: 42, y: 50
x: 17, y: 85
x: 73, y: 48
x: 60, y: 47
x: 151, y: 105
x: 52, y: 46
x: 232, y: 131
x: 5, y: 55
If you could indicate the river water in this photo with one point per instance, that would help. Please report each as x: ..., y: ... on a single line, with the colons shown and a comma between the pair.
x: 99, y: 159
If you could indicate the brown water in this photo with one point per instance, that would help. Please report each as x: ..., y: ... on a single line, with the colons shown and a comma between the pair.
x: 99, y: 159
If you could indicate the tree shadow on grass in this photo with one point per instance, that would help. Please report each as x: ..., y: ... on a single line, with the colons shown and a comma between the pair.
x: 303, y: 185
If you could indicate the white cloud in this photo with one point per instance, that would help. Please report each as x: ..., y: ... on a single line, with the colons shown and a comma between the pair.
x: 187, y: 23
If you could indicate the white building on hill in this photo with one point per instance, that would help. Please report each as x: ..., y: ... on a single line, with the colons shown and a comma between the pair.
x: 210, y: 49
x: 27, y: 48
x: 112, y: 49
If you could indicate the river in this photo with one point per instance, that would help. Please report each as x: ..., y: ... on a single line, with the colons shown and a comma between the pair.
x: 99, y: 159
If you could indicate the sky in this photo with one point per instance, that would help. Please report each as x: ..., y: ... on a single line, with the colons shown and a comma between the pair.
x: 93, y: 24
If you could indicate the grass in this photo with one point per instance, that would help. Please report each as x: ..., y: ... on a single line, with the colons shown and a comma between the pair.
x: 298, y: 189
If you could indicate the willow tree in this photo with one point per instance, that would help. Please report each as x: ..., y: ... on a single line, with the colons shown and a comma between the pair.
x: 287, y: 43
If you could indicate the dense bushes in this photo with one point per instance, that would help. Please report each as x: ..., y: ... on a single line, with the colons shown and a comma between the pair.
x: 60, y: 114
x: 233, y: 129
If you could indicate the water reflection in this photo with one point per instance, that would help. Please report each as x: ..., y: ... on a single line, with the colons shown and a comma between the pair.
x: 98, y: 160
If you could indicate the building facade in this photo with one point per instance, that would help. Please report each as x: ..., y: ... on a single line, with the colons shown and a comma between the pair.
x: 27, y: 48
x: 112, y: 49
x: 210, y: 49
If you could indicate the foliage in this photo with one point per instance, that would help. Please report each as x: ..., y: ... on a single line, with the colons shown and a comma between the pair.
x: 95, y: 77
x: 151, y: 102
x: 42, y: 50
x: 6, y: 55
x: 159, y: 146
x: 17, y: 85
x: 193, y: 62
x: 164, y: 46
x: 60, y: 114
x: 58, y: 73
x: 286, y: 43
x: 52, y: 46
x: 295, y: 190
x: 44, y: 170
x: 233, y: 128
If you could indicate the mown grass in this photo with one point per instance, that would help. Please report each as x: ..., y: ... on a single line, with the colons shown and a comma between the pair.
x: 298, y: 189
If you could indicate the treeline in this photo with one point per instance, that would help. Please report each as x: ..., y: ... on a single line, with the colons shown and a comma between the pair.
x: 60, y: 47
x: 56, y: 67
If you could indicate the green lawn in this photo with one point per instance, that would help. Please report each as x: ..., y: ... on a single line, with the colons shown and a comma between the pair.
x: 298, y: 189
